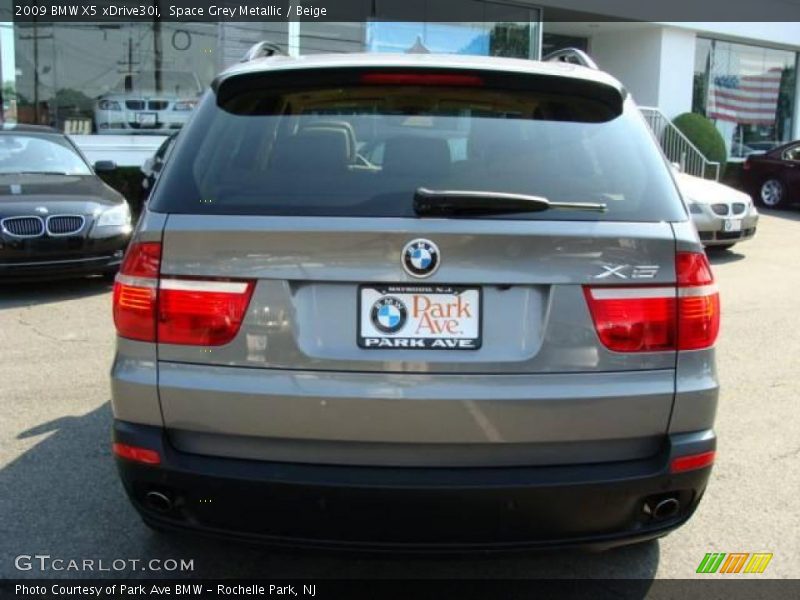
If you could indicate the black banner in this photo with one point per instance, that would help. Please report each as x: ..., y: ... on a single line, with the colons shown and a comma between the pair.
x: 43, y: 11
x: 732, y: 588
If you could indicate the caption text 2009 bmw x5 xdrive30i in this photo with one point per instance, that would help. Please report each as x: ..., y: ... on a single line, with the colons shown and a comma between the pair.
x: 416, y: 301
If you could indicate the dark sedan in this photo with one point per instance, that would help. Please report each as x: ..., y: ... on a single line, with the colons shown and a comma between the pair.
x: 153, y: 165
x: 773, y: 178
x: 57, y: 217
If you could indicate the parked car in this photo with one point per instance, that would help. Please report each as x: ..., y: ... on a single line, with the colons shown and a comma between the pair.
x: 764, y: 145
x: 57, y: 217
x: 153, y: 165
x: 773, y: 178
x: 511, y: 349
x: 148, y: 102
x: 741, y: 150
x: 722, y: 215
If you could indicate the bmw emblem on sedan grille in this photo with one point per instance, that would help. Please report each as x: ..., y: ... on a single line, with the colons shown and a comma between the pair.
x: 420, y: 258
x: 389, y: 314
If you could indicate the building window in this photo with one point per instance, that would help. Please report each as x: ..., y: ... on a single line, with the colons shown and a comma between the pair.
x: 137, y: 78
x: 509, y: 39
x: 748, y: 91
x: 145, y: 78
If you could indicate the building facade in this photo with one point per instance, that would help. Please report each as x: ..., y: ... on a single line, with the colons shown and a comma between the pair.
x: 144, y: 78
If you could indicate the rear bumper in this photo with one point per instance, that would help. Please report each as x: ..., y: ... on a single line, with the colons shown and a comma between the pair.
x: 413, y: 509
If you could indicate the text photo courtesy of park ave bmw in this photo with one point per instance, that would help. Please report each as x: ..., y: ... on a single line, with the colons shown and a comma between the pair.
x: 391, y: 299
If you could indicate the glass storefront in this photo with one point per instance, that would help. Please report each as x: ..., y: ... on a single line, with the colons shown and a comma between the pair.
x: 748, y: 91
x: 145, y: 78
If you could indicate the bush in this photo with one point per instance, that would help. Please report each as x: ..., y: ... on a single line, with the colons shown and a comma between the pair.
x: 702, y: 133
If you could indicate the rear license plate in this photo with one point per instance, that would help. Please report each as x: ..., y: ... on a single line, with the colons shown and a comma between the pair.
x: 732, y: 225
x: 419, y: 317
x: 147, y: 119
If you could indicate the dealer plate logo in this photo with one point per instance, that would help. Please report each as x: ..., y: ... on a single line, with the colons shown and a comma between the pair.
x: 420, y: 258
x: 389, y: 314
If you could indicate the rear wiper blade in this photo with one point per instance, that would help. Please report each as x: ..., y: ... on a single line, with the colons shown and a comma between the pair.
x: 474, y: 202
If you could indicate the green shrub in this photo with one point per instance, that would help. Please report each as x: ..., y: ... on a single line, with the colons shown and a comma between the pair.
x: 702, y: 133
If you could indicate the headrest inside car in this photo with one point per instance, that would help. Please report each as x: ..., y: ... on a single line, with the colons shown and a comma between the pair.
x: 416, y: 155
x: 325, y: 150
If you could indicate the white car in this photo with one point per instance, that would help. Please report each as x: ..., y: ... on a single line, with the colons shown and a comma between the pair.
x: 722, y: 215
x: 144, y: 103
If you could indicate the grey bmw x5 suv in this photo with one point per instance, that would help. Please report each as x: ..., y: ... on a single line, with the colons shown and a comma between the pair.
x: 417, y: 302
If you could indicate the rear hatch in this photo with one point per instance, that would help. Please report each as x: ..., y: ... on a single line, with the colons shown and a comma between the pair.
x: 380, y: 330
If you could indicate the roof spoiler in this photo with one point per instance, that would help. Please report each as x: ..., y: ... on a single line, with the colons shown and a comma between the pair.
x: 572, y: 56
x: 262, y: 50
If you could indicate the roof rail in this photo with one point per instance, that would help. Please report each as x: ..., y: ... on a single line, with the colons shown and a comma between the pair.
x: 262, y: 50
x: 572, y: 56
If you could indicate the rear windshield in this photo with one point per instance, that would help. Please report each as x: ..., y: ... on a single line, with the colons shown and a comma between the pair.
x: 363, y: 150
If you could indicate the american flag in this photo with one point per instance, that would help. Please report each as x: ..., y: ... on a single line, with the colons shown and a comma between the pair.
x: 746, y: 99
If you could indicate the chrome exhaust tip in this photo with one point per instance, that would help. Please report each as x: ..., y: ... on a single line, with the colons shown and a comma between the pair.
x: 158, y: 501
x: 666, y: 509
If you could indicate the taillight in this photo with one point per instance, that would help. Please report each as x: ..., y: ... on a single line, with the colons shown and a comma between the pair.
x: 136, y: 454
x: 633, y: 319
x: 657, y: 318
x: 698, y: 302
x: 135, y: 292
x: 206, y: 312
x: 440, y: 79
x: 692, y: 462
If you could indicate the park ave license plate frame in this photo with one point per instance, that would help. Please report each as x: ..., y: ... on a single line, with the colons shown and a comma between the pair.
x: 419, y: 317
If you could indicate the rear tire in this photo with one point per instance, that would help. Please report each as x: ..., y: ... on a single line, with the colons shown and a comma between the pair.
x: 772, y: 193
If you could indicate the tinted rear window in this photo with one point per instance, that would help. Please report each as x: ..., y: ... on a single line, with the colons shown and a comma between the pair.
x: 362, y: 150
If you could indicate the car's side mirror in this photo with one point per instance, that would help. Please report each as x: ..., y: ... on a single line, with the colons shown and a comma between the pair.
x: 104, y: 166
x: 677, y: 167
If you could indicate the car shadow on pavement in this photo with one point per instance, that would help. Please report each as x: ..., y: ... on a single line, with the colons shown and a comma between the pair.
x: 791, y: 213
x: 14, y: 295
x: 717, y: 256
x: 61, y: 496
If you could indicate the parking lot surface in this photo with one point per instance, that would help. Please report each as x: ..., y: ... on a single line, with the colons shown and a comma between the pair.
x: 59, y: 493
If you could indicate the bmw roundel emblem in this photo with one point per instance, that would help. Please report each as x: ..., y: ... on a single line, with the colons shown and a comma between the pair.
x: 420, y: 258
x: 388, y: 314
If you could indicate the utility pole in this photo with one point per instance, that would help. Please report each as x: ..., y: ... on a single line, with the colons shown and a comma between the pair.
x: 127, y: 63
x: 35, y: 37
x: 157, y: 54
x: 35, y: 71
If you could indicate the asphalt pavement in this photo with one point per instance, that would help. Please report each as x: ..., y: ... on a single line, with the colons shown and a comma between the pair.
x: 60, y: 496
